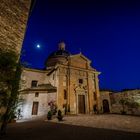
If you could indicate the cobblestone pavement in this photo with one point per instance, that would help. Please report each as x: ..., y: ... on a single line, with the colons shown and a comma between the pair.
x: 107, y: 121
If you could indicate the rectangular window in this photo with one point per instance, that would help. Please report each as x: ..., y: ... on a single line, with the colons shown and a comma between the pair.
x: 34, y: 83
x: 65, y: 94
x: 80, y: 81
x: 36, y: 94
x: 35, y: 108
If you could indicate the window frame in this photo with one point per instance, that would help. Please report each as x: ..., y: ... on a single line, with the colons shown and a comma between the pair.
x: 36, y: 94
x: 34, y: 83
x: 80, y: 81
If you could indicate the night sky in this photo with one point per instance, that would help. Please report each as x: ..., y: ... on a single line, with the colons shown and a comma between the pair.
x: 107, y: 32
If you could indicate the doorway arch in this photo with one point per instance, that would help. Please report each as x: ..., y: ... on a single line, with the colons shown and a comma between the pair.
x: 106, y: 106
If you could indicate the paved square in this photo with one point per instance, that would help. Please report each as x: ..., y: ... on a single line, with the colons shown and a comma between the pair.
x: 107, y: 121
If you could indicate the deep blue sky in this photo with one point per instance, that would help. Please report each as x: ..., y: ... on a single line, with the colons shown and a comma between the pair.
x: 108, y: 33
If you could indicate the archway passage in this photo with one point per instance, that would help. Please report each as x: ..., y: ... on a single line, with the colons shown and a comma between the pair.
x: 81, y: 104
x: 106, y: 106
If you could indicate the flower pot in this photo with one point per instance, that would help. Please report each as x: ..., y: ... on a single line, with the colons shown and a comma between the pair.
x: 60, y: 118
x: 49, y: 118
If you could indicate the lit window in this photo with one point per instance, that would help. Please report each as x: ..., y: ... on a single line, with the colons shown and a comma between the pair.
x: 34, y: 83
x: 65, y: 94
x: 36, y: 94
x: 80, y: 81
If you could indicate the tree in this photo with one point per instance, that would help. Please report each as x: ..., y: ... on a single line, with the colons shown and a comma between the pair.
x: 123, y: 103
x: 10, y: 71
x: 129, y: 103
x: 132, y: 104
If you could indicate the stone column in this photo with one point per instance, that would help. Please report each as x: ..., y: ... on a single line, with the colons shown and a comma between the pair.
x: 90, y: 93
x: 97, y: 92
x: 60, y: 91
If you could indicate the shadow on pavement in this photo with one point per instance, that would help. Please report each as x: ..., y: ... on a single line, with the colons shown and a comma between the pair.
x: 40, y: 130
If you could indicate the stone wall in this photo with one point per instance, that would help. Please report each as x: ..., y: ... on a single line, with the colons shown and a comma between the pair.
x: 78, y: 61
x: 128, y: 95
x: 44, y: 98
x: 13, y: 19
x: 30, y: 74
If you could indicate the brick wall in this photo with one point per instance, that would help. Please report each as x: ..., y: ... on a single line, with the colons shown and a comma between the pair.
x: 13, y: 19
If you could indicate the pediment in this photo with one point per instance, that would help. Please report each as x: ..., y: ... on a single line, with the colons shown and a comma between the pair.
x: 80, y: 88
x: 80, y: 61
x: 81, y: 57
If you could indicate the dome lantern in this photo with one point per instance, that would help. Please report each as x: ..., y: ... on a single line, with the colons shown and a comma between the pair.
x: 58, y: 57
x: 61, y: 46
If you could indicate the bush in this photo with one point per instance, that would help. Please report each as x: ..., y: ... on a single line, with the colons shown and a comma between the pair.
x: 49, y: 115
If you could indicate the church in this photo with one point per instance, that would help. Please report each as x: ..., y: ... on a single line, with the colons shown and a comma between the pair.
x: 69, y: 81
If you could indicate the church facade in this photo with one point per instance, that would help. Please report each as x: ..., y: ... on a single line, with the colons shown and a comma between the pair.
x: 69, y: 81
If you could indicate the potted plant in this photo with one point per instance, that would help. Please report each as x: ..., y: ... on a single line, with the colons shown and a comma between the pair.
x: 59, y: 115
x: 53, y: 107
x: 49, y: 115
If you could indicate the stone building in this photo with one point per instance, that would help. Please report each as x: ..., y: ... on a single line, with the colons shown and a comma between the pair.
x: 68, y: 80
x: 13, y: 19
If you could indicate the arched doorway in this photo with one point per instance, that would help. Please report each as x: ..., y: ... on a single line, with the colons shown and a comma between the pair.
x: 106, y: 106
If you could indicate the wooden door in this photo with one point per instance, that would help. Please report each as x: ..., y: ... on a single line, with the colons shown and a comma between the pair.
x: 35, y: 108
x: 81, y: 104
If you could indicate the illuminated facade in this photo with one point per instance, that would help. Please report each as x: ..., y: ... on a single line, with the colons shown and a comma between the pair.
x: 68, y: 80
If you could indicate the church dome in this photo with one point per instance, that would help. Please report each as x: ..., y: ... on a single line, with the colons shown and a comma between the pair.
x: 59, y: 56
